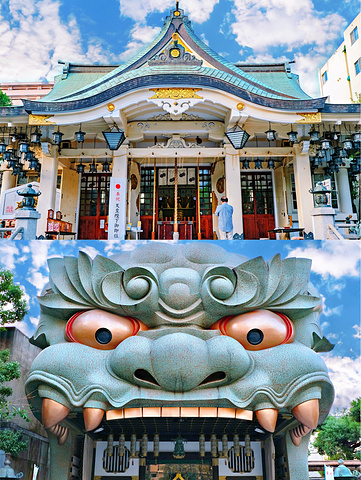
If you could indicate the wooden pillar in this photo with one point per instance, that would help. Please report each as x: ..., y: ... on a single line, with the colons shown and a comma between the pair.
x: 215, y: 469
x: 154, y: 197
x: 175, y: 230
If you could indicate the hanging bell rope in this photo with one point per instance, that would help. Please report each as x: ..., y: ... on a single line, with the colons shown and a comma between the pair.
x: 121, y: 449
x: 202, y: 445
x: 236, y: 446
x: 156, y: 445
x: 133, y: 446
x: 224, y: 446
x: 214, y: 446
x: 144, y: 446
x: 110, y: 443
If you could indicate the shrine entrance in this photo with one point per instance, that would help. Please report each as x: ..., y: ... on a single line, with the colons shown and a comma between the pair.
x: 174, y: 469
x: 94, y: 206
x: 257, y: 204
x: 193, y: 207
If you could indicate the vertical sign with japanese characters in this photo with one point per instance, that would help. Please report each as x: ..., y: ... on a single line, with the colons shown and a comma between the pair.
x: 117, y: 208
x: 328, y: 473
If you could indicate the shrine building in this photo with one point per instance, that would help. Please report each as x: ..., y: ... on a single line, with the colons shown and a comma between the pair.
x: 150, y: 146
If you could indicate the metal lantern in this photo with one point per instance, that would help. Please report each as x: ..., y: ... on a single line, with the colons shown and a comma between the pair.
x: 347, y: 144
x: 224, y: 446
x: 121, y: 448
x: 236, y: 447
x: 314, y: 134
x: 33, y: 163
x: 79, y: 136
x: 57, y: 137
x: 214, y: 446
x: 321, y: 194
x: 245, y: 164
x: 17, y: 169
x: 80, y: 167
x: 35, y: 136
x: 258, y: 164
x: 271, y: 134
x: 179, y: 451
x: 292, y: 136
x: 133, y: 445
x: 24, y: 146
x: 38, y: 168
x: 29, y: 155
x: 110, y: 443
x: 144, y: 445
x: 156, y: 445
x: 325, y: 143
x: 93, y: 167
x: 106, y: 167
x: 114, y: 138
x: 271, y: 163
x: 238, y: 137
x: 7, y: 155
x: 2, y: 147
x: 357, y: 137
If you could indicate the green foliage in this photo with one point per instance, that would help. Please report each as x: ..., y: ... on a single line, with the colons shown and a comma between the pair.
x: 12, y: 305
x: 339, y: 436
x: 11, y: 442
x: 5, y: 101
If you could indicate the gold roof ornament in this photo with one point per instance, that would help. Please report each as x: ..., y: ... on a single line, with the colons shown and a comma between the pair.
x: 175, y: 93
x: 309, y: 118
x: 41, y: 120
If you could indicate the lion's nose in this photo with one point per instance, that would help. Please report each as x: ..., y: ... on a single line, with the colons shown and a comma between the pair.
x: 179, y: 287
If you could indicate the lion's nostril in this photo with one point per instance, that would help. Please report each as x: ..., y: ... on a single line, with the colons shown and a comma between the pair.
x: 145, y: 376
x: 215, y: 377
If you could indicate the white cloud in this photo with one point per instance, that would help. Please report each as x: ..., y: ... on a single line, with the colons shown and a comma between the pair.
x: 357, y: 330
x: 8, y: 254
x: 141, y: 35
x: 91, y: 251
x: 37, y: 279
x: 197, y: 10
x: 39, y: 253
x: 345, y: 375
x: 334, y: 259
x: 34, y: 320
x: 34, y: 37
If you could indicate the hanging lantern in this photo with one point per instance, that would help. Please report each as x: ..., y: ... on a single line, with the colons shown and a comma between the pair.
x: 133, y: 446
x: 93, y: 167
x: 114, y: 138
x: 29, y: 155
x: 24, y: 146
x: 347, y: 144
x: 258, y: 164
x: 35, y: 136
x: 245, y: 164
x: 271, y: 163
x: 292, y: 136
x: 144, y: 446
x: 2, y: 147
x: 248, y: 449
x: 79, y: 136
x: 357, y: 137
x: 179, y: 451
x: 214, y: 446
x: 202, y: 445
x: 57, y: 137
x: 237, y: 136
x: 7, y: 155
x: 80, y: 167
x: 156, y: 445
x: 314, y: 134
x: 33, y: 163
x: 224, y: 446
x: 271, y: 134
x: 106, y: 167
x: 236, y: 447
x: 110, y: 443
x: 38, y: 168
x: 121, y: 448
x: 325, y: 143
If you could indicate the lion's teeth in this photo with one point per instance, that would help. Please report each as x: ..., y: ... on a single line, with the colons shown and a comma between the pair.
x: 92, y: 418
x: 53, y: 412
x: 307, y: 413
x: 267, y: 418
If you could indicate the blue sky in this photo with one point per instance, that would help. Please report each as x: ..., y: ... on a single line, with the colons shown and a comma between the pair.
x: 335, y: 273
x: 35, y: 34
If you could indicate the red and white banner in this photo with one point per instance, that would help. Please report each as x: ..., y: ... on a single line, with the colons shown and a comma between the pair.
x: 117, y: 208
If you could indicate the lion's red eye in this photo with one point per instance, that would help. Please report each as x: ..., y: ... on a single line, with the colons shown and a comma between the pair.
x: 100, y: 329
x: 257, y: 330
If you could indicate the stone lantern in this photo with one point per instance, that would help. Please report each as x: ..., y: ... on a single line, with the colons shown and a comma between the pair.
x: 29, y: 197
x: 321, y: 195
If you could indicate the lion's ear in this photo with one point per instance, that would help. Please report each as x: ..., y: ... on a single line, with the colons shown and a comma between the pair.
x: 321, y: 345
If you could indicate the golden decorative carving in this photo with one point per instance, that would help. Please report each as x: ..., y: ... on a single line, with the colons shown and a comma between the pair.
x: 310, y: 118
x: 175, y: 93
x: 133, y: 181
x: 178, y: 477
x: 220, y: 185
x: 40, y: 120
x: 111, y: 107
x: 240, y: 106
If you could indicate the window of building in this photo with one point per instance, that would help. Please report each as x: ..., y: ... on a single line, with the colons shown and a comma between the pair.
x: 357, y: 66
x: 293, y: 193
x: 321, y: 177
x: 354, y: 35
x: 146, y: 188
x: 324, y: 77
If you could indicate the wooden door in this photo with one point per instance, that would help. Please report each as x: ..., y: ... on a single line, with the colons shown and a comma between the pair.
x: 257, y: 204
x: 94, y: 206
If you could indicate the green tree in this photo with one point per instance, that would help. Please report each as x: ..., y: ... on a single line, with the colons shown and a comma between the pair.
x: 12, y: 304
x: 339, y: 436
x: 5, y: 101
x: 12, y: 309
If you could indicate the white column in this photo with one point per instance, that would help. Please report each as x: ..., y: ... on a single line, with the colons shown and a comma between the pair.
x: 344, y: 192
x: 233, y: 187
x: 88, y: 457
x: 48, y: 181
x: 7, y: 182
x: 120, y: 163
x: 303, y: 182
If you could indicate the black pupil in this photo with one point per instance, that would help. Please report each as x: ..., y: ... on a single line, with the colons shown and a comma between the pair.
x: 255, y: 336
x: 103, y: 336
